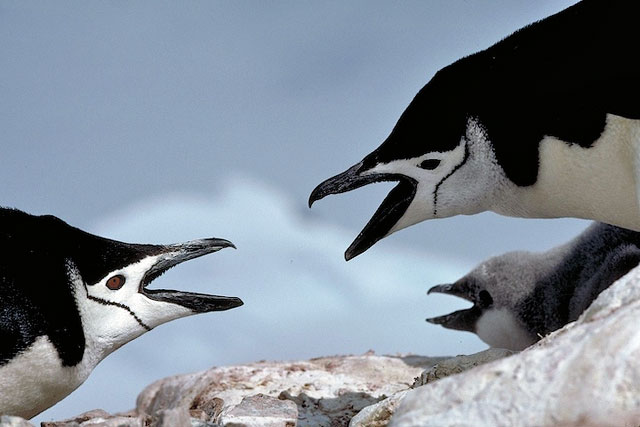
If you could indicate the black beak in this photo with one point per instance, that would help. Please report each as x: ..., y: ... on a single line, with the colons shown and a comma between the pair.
x: 459, y: 289
x: 172, y: 255
x: 388, y: 214
x: 461, y: 320
x: 343, y: 182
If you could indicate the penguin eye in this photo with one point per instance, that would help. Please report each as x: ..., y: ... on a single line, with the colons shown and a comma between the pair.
x: 116, y: 282
x: 429, y: 164
x: 485, y: 299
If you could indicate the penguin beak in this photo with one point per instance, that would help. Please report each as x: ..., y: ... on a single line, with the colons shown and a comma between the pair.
x: 172, y: 255
x: 389, y: 212
x: 461, y: 320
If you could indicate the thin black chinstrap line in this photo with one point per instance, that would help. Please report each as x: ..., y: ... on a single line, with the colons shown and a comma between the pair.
x: 116, y: 304
x: 458, y: 166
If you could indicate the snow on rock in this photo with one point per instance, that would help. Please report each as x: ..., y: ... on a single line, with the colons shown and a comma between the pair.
x: 585, y: 374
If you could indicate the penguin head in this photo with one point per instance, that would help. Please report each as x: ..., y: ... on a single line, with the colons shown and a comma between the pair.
x: 89, y: 293
x: 116, y: 301
x: 436, y: 155
x: 468, y: 289
x: 495, y: 288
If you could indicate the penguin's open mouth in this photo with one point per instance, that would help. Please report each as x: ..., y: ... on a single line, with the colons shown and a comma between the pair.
x: 172, y: 255
x: 388, y: 213
x: 462, y: 320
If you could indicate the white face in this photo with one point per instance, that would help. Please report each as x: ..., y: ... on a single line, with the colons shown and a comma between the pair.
x: 116, y: 310
x: 437, y: 184
x: 430, y: 171
x: 449, y: 183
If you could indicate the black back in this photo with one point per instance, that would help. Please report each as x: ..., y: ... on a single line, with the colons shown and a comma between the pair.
x: 557, y: 77
x: 36, y: 297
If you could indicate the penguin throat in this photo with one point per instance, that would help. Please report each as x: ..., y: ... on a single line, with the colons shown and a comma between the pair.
x: 500, y: 329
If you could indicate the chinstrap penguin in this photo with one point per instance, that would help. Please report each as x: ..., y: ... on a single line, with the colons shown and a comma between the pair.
x: 69, y: 298
x: 519, y: 297
x: 544, y: 123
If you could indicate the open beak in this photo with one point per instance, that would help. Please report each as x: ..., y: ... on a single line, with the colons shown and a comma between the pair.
x: 388, y: 214
x: 172, y: 255
x: 461, y: 320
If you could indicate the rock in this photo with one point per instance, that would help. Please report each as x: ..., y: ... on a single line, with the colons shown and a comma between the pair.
x: 171, y: 417
x: 585, y: 374
x: 10, y: 421
x: 462, y: 363
x: 261, y: 411
x: 100, y: 418
x: 325, y: 391
x: 379, y: 414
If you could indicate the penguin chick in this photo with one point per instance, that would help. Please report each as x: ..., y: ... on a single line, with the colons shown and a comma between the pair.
x: 69, y: 298
x: 519, y: 297
x: 545, y: 123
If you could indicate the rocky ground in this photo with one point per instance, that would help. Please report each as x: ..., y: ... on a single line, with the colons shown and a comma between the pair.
x: 326, y: 391
x: 586, y: 374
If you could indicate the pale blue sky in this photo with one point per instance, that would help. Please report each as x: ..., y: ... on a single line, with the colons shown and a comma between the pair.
x: 107, y: 108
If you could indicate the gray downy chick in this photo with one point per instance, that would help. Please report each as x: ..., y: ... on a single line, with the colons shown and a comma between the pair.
x: 519, y: 297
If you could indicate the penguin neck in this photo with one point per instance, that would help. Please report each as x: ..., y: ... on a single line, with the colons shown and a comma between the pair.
x: 101, y: 338
x: 597, y: 183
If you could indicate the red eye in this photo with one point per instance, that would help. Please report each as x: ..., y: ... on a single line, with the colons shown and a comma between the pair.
x: 116, y: 282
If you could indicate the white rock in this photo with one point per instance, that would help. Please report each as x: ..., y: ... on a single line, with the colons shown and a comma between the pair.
x: 379, y: 414
x: 11, y: 421
x: 101, y: 418
x: 174, y: 417
x: 261, y: 411
x: 586, y: 374
x: 327, y: 391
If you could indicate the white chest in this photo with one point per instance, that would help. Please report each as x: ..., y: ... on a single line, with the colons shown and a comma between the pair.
x: 499, y: 329
x: 35, y: 380
x: 592, y: 183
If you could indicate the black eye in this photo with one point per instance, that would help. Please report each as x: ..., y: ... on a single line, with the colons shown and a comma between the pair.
x: 116, y: 282
x: 430, y: 164
x: 485, y: 299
